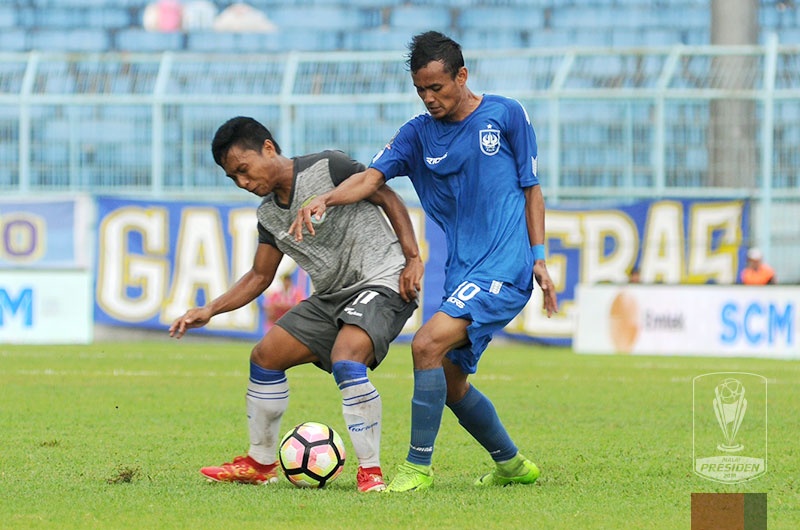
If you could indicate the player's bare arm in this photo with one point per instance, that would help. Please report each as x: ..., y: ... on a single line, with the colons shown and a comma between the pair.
x: 534, y: 214
x: 244, y: 291
x: 355, y: 188
x: 397, y: 213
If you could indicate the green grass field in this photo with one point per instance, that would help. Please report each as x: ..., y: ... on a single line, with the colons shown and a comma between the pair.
x: 112, y: 436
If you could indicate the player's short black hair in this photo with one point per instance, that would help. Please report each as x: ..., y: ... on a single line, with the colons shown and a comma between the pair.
x: 434, y: 46
x: 245, y: 132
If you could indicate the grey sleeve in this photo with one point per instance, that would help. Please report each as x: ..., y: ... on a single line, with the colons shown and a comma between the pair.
x: 342, y: 166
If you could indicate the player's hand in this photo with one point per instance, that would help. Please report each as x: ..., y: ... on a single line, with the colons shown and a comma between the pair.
x: 411, y: 279
x: 193, y: 318
x: 550, y: 303
x: 307, y: 216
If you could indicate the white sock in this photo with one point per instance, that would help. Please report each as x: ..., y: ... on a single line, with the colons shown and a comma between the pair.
x: 267, y: 400
x: 361, y: 408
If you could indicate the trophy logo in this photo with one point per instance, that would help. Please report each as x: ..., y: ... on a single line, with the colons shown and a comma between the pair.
x: 730, y: 406
x: 730, y: 426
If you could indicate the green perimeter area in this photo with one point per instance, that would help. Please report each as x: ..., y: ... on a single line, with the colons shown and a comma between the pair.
x: 112, y: 435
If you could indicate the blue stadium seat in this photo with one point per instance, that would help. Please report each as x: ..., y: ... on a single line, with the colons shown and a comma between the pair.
x: 110, y: 18
x: 139, y: 40
x: 70, y: 41
x: 290, y: 16
x: 298, y: 39
x: 14, y: 40
x: 75, y: 4
x: 212, y: 41
x: 474, y: 39
x: 785, y: 35
x: 550, y: 38
x: 8, y: 17
x: 377, y: 39
x: 420, y: 18
x: 576, y: 17
x: 500, y: 18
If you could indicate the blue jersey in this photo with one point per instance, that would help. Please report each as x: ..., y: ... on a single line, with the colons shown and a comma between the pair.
x: 470, y: 178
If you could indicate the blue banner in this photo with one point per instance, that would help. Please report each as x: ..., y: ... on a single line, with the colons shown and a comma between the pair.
x: 157, y: 259
x: 678, y: 241
x: 42, y: 234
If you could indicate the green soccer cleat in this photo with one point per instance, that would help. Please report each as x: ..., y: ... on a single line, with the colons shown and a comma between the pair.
x: 498, y: 478
x: 411, y: 477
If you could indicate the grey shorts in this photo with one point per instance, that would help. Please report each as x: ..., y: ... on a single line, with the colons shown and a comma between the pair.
x: 316, y: 321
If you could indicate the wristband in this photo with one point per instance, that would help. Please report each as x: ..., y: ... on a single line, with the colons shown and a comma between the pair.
x: 538, y: 252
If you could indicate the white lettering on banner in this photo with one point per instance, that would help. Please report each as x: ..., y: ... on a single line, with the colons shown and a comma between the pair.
x: 602, y: 231
x: 662, y: 254
x: 709, y: 220
x: 201, y: 265
x: 120, y: 270
x: 244, y: 238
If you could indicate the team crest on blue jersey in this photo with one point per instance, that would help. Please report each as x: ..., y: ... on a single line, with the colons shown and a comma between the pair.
x: 490, y: 141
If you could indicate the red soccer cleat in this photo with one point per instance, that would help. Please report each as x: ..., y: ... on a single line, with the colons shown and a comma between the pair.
x: 243, y: 470
x: 370, y: 479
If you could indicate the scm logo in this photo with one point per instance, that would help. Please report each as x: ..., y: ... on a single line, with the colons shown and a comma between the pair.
x: 20, y: 307
x: 758, y: 323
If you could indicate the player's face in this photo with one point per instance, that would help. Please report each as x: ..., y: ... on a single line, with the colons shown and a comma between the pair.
x: 251, y: 170
x: 445, y: 97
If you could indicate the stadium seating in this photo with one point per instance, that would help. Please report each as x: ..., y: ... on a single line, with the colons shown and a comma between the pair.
x: 325, y: 25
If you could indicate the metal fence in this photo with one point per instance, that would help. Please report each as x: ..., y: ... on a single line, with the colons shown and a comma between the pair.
x: 613, y: 124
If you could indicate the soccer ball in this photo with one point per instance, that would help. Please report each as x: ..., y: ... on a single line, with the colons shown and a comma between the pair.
x: 730, y: 391
x: 311, y: 455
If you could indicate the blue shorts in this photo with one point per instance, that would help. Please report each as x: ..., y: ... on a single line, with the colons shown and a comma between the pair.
x: 490, y: 306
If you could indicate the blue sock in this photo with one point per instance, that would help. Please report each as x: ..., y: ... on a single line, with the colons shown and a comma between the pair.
x: 349, y: 373
x: 478, y: 416
x: 263, y: 376
x: 427, y: 406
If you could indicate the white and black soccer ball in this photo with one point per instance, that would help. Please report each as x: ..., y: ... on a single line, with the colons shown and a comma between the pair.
x: 311, y: 455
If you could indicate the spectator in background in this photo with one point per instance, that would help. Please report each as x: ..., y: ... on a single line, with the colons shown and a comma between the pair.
x: 199, y: 16
x: 279, y: 301
x: 634, y: 276
x: 757, y: 272
x: 163, y: 16
x: 242, y: 18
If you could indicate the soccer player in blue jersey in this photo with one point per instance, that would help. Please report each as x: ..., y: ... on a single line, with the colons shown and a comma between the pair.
x: 472, y: 161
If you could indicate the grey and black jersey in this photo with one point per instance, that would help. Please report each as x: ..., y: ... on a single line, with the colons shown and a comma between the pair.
x: 354, y: 244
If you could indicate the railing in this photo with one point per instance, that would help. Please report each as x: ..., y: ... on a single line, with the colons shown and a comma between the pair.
x: 612, y: 124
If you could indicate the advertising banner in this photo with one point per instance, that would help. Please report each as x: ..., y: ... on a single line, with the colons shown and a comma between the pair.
x: 44, y: 234
x: 45, y: 307
x: 669, y: 241
x: 706, y: 320
x: 156, y: 259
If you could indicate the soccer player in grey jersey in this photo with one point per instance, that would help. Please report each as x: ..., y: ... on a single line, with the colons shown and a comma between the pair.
x: 365, y: 276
